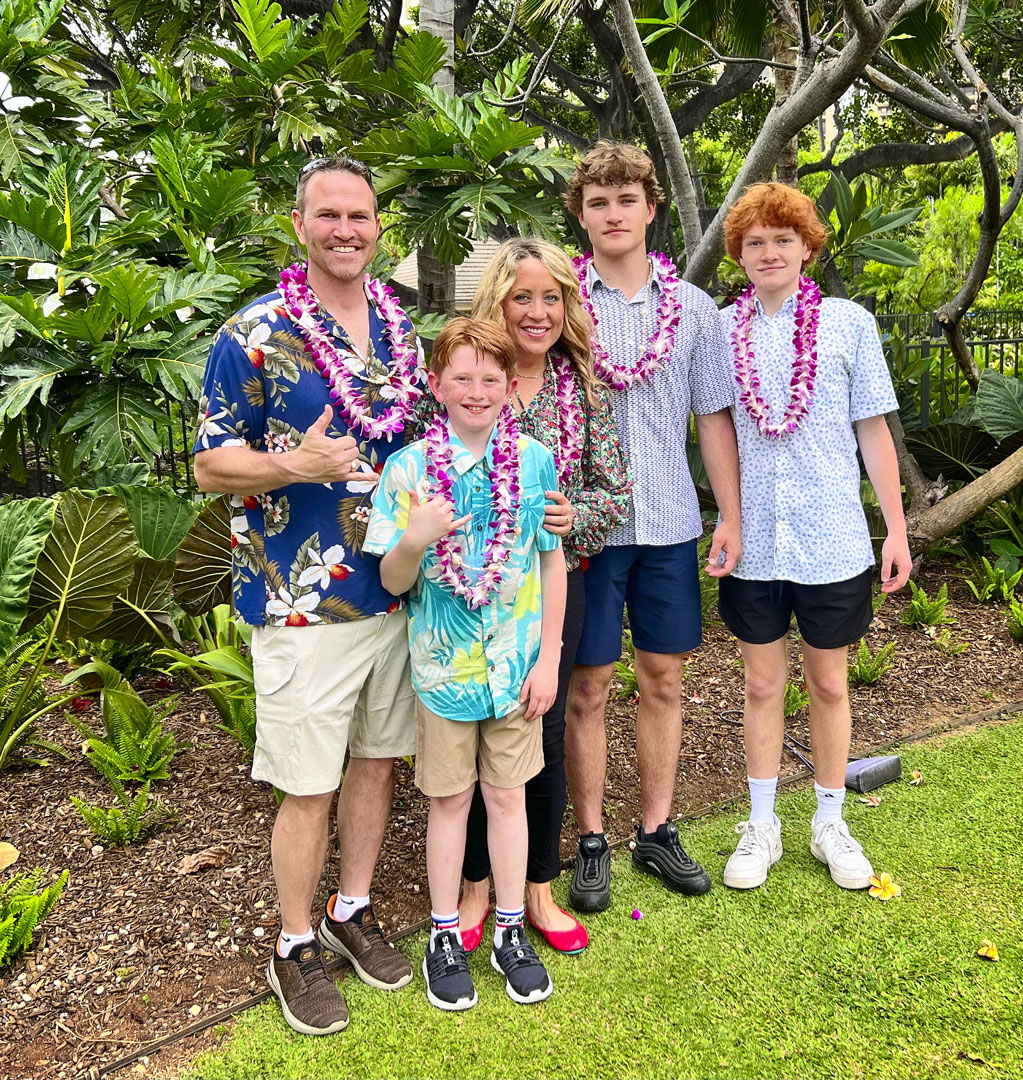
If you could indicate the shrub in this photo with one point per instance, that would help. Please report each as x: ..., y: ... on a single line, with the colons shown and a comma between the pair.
x: 922, y: 611
x: 869, y: 667
x: 133, y: 746
x: 131, y: 819
x: 22, y: 909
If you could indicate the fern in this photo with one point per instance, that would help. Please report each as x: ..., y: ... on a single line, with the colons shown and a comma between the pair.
x: 943, y: 642
x: 869, y: 667
x: 131, y: 819
x: 1014, y: 619
x: 625, y: 669
x: 922, y: 611
x: 796, y: 698
x: 134, y: 746
x: 22, y: 909
x: 998, y: 582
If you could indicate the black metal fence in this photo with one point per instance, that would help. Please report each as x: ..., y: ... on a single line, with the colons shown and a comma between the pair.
x: 996, y: 338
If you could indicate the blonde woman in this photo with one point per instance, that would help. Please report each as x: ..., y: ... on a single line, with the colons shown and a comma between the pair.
x: 532, y: 288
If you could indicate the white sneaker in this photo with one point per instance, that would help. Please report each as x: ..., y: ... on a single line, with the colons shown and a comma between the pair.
x: 831, y: 844
x: 758, y: 850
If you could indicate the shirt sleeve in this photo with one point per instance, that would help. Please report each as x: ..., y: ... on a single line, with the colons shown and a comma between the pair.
x: 710, y: 376
x: 870, y: 386
x: 603, y: 501
x: 548, y: 481
x: 231, y: 411
x: 389, y: 517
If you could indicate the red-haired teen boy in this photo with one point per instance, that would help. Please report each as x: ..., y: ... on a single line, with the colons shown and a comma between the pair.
x: 811, y: 385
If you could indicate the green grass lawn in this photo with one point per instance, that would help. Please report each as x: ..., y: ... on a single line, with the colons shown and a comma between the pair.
x: 795, y: 979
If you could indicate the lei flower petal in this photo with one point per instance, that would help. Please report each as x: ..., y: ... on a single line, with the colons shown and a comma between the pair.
x: 669, y: 311
x: 404, y: 374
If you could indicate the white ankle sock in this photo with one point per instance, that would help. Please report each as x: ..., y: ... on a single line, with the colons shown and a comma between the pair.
x: 443, y: 924
x: 829, y: 803
x: 761, y: 797
x: 287, y: 942
x: 346, y: 906
x: 505, y: 918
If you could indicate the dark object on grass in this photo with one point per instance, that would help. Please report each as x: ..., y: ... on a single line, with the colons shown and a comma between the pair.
x: 865, y: 774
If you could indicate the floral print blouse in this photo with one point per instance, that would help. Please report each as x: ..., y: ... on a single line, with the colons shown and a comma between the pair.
x: 598, y: 487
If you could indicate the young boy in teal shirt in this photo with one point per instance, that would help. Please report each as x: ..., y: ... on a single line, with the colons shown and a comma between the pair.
x: 458, y: 519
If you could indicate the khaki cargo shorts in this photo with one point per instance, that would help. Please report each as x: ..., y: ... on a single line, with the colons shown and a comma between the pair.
x: 323, y: 689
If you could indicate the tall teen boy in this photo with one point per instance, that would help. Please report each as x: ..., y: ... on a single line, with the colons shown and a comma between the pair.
x: 658, y: 342
x: 811, y: 385
x: 458, y: 518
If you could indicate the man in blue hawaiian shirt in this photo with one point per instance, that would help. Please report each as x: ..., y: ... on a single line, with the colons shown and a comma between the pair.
x: 329, y: 647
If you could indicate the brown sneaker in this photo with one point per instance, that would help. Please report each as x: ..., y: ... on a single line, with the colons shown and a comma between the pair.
x: 311, y: 1003
x: 360, y: 940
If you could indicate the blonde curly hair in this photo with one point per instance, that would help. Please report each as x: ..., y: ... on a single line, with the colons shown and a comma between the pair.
x: 498, y: 280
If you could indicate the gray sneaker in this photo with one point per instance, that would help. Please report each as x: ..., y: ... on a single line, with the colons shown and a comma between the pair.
x: 757, y: 851
x: 361, y: 941
x: 310, y: 1001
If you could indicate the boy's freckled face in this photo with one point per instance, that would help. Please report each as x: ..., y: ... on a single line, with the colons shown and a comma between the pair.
x: 773, y: 258
x: 474, y: 390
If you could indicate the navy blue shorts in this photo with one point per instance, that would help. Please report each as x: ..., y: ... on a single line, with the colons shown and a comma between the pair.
x: 661, y: 588
x: 829, y: 616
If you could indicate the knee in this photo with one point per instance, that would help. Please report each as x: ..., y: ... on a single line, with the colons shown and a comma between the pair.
x: 307, y: 807
x: 452, y: 804
x: 830, y: 690
x: 765, y: 687
x: 587, y: 697
x: 504, y: 801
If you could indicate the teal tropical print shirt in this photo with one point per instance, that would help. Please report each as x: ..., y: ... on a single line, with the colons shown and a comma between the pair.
x: 470, y: 665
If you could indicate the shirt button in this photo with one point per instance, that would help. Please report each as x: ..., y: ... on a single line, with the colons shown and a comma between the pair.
x: 479, y: 528
x: 492, y: 667
x: 478, y: 488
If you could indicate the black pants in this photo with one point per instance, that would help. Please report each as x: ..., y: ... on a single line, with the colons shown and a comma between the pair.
x: 545, y: 793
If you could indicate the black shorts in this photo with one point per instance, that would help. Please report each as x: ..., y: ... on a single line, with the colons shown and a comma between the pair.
x: 829, y: 616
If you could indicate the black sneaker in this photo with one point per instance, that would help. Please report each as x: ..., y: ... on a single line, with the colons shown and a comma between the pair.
x: 446, y: 970
x: 591, y: 882
x: 526, y: 979
x: 660, y: 854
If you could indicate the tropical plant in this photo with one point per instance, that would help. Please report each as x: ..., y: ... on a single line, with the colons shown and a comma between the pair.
x: 989, y: 582
x: 133, y: 818
x: 132, y: 745
x: 869, y: 667
x: 625, y: 669
x: 923, y: 611
x: 23, y: 701
x: 1014, y: 618
x: 944, y: 642
x: 23, y: 906
x: 796, y: 698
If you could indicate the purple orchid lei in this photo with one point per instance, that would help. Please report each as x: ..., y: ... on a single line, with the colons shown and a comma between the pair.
x: 622, y: 376
x: 505, y: 493
x: 405, y: 376
x: 804, y: 364
x: 570, y: 437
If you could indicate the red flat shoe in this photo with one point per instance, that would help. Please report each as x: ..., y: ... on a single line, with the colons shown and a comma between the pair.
x: 472, y: 937
x: 569, y: 942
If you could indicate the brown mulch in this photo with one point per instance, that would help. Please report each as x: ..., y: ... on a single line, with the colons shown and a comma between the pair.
x: 138, y: 949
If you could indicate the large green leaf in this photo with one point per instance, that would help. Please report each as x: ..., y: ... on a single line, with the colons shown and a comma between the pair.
x: 183, y: 290
x: 341, y: 26
x: 889, y: 252
x: 258, y: 21
x: 180, y: 362
x: 135, y: 473
x: 37, y: 216
x: 117, y: 420
x: 87, y: 560
x: 130, y: 288
x: 32, y: 372
x: 954, y: 451
x: 145, y: 603
x: 24, y: 527
x: 202, y: 578
x: 161, y: 518
x: 1000, y: 404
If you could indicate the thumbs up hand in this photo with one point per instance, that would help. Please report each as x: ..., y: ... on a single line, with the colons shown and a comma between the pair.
x: 322, y: 458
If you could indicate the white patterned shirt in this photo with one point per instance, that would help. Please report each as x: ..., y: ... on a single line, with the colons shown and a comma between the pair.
x: 802, y: 517
x: 653, y: 415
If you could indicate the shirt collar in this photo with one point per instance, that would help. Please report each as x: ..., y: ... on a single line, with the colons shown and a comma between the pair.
x: 596, y: 279
x: 462, y: 460
x: 789, y: 304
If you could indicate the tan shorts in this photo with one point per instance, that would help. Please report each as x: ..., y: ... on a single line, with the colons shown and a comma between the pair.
x: 503, y: 751
x: 322, y: 689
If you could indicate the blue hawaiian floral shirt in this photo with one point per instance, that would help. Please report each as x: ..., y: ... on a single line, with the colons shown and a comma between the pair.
x: 470, y: 665
x: 297, y: 552
x: 802, y: 517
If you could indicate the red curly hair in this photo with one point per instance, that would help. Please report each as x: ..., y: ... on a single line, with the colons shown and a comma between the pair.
x: 774, y: 206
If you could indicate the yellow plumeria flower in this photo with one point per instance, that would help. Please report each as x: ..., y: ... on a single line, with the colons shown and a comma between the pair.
x: 471, y: 664
x: 988, y: 950
x: 918, y: 778
x: 883, y: 888
x: 528, y: 598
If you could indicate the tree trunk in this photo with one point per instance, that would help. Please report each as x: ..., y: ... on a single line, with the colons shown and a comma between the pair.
x: 938, y: 521
x: 660, y: 116
x: 786, y: 170
x: 436, y: 280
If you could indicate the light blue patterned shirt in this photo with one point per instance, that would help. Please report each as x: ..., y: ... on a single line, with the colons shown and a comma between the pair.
x: 653, y: 416
x: 802, y: 518
x: 470, y: 665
